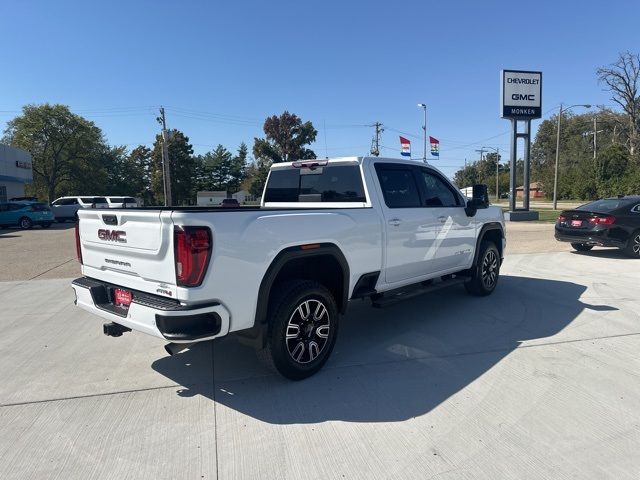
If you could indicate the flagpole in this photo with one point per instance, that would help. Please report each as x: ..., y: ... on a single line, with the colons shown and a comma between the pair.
x: 424, y: 127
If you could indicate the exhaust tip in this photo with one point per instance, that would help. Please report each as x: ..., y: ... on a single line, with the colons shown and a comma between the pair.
x: 174, y: 348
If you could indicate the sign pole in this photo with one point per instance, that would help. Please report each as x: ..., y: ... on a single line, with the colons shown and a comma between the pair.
x: 512, y: 163
x: 527, y: 165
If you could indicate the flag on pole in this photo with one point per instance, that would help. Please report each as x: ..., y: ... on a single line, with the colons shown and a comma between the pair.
x: 405, y: 147
x: 435, y: 146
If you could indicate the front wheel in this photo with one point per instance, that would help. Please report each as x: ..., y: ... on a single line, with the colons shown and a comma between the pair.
x: 633, y: 245
x: 581, y: 247
x: 303, y: 328
x: 25, y: 223
x: 485, y: 272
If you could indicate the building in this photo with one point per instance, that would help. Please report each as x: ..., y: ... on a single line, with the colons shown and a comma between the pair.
x: 210, y: 198
x: 535, y: 191
x: 15, y: 171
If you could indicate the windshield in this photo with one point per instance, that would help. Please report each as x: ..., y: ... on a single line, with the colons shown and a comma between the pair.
x: 606, y: 205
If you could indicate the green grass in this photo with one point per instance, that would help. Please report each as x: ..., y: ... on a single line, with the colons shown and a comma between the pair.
x: 548, y: 215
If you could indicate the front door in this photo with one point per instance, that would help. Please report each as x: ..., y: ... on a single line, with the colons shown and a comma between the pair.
x: 455, y: 238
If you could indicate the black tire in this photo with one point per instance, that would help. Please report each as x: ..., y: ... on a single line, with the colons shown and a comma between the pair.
x: 633, y: 245
x: 306, y: 313
x: 485, y: 272
x: 46, y: 225
x: 581, y: 247
x: 25, y: 223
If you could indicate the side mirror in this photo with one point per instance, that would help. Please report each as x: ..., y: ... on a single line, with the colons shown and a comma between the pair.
x: 480, y: 199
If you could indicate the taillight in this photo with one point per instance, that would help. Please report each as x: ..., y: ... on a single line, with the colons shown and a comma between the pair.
x: 607, y: 220
x: 192, y: 248
x: 78, y: 249
x: 562, y: 219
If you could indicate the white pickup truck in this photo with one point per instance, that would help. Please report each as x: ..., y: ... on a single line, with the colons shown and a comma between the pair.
x: 280, y: 275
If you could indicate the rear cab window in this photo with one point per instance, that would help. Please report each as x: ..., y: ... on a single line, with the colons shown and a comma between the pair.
x: 321, y: 183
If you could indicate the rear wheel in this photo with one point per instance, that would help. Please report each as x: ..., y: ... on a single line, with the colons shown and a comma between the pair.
x: 303, y: 327
x: 633, y: 245
x: 25, y: 223
x: 485, y: 273
x: 581, y: 247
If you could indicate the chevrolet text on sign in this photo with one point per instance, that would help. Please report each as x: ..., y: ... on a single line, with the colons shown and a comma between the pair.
x: 521, y: 94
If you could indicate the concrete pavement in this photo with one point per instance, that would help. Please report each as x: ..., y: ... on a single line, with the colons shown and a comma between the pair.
x: 539, y: 380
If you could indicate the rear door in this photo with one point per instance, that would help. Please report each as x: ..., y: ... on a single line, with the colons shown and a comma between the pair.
x: 411, y: 230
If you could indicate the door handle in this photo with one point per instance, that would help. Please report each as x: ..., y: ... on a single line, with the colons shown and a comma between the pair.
x: 442, y: 218
x: 394, y: 222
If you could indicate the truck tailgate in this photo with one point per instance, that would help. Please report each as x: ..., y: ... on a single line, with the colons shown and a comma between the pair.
x: 130, y: 248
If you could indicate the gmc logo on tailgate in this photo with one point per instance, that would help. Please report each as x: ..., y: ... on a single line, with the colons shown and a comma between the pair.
x: 112, y: 235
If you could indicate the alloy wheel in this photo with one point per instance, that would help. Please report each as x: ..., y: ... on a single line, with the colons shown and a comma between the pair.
x: 307, y: 331
x: 489, y: 269
x: 636, y: 245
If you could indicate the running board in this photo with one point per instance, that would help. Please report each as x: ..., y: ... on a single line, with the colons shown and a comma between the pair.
x: 394, y: 296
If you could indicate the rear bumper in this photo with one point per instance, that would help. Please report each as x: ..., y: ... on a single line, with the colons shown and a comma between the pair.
x: 154, y: 315
x: 588, y: 237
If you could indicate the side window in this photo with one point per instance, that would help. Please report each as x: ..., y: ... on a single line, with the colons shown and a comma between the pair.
x: 437, y: 192
x: 398, y: 186
x: 72, y: 201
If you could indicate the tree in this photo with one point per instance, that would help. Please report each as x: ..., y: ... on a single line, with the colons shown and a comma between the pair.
x: 623, y: 80
x: 182, y: 167
x: 238, y: 169
x: 66, y: 149
x: 138, y: 169
x: 285, y: 139
x: 257, y: 172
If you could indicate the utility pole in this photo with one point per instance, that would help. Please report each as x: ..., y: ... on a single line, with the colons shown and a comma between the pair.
x: 166, y: 172
x: 482, y: 150
x: 375, y: 144
x: 595, y: 137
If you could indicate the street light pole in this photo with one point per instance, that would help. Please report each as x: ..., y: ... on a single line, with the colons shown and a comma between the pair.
x: 424, y: 128
x: 555, y: 176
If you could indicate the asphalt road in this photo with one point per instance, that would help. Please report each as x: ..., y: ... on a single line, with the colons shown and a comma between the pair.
x: 539, y: 380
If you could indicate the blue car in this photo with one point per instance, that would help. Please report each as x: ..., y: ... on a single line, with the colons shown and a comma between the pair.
x: 25, y: 215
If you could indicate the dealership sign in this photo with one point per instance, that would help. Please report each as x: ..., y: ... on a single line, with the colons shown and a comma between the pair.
x: 521, y: 94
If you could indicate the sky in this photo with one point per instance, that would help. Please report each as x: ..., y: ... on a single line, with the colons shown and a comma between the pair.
x: 220, y: 68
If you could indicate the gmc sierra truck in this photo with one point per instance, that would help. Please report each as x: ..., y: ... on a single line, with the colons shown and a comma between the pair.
x: 281, y: 274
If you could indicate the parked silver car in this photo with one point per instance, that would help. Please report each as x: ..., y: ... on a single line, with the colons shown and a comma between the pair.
x: 66, y: 208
